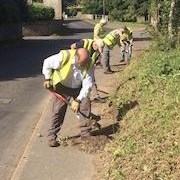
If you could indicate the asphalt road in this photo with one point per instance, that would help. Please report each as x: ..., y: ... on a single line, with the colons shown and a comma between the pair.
x: 22, y: 97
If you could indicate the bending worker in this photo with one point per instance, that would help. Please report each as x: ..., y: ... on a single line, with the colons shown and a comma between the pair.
x: 110, y: 40
x: 70, y: 74
x: 94, y: 47
x: 126, y: 43
x: 99, y: 32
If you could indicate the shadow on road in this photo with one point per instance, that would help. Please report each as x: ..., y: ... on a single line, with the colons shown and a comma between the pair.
x: 25, y: 59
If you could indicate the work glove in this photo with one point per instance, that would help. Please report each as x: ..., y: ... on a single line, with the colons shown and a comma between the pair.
x: 75, y: 106
x: 47, y: 84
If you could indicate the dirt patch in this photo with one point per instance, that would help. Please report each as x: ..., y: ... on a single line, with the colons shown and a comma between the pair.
x: 94, y: 144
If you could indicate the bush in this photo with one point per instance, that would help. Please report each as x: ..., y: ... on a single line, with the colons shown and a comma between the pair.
x: 122, y: 16
x: 38, y: 11
x: 162, y: 40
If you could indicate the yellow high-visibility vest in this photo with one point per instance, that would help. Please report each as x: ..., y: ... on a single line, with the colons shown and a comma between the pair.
x: 110, y: 40
x: 127, y: 35
x: 89, y: 47
x: 88, y: 44
x: 62, y: 74
x: 99, y: 31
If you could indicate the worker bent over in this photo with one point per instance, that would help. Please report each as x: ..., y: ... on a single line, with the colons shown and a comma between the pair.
x: 99, y: 31
x: 110, y: 40
x: 70, y: 74
x: 126, y: 43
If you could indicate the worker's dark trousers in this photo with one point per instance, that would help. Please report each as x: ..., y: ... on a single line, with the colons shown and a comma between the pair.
x: 105, y: 58
x: 59, y: 109
x: 125, y: 49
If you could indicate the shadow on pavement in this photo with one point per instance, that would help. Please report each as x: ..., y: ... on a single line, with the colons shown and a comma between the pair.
x: 24, y: 59
x: 74, y: 26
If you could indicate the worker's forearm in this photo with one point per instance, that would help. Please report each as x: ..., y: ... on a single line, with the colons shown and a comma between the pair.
x: 86, y: 88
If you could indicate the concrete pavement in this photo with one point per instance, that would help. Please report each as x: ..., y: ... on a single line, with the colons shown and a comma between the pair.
x: 63, y: 163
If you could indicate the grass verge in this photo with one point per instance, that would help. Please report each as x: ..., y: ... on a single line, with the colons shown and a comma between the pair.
x: 147, y: 145
x: 117, y: 24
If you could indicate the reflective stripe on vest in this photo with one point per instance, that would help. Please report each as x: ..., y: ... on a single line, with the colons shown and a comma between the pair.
x: 88, y: 44
x: 110, y: 40
x: 92, y: 61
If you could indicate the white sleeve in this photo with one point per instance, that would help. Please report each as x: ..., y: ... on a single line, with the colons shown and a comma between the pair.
x: 87, y: 84
x: 52, y: 62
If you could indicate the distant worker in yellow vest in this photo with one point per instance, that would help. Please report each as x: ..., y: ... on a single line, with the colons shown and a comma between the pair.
x: 99, y: 32
x: 69, y: 73
x: 126, y: 42
x: 95, y: 48
x: 110, y: 40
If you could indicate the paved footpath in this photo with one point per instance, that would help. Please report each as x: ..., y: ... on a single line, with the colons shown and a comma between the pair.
x: 40, y: 162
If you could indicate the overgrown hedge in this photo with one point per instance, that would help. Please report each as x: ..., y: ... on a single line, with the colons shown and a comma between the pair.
x: 38, y: 11
x: 13, y: 11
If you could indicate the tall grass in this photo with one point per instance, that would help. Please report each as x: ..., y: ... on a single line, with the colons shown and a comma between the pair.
x: 147, y: 145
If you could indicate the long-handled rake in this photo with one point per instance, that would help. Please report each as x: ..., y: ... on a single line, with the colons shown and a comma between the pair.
x: 85, y: 120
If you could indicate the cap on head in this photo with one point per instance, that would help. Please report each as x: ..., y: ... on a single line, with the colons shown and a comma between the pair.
x: 100, y: 44
x: 83, y: 57
x: 103, y: 21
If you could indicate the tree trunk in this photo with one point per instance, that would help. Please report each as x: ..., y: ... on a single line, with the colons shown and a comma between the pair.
x: 171, y: 17
x: 154, y: 14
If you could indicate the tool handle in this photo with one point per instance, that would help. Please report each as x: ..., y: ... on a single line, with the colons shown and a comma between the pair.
x: 80, y: 114
x: 60, y: 97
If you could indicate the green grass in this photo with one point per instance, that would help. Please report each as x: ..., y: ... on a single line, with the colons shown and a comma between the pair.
x: 129, y: 24
x: 117, y: 24
x: 147, y: 145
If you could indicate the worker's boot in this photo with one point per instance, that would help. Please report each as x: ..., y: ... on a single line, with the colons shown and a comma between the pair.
x: 53, y: 142
x: 109, y: 71
x: 99, y: 100
x: 95, y: 117
x: 85, y: 129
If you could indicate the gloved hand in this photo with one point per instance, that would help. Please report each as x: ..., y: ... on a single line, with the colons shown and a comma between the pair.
x: 47, y: 84
x: 75, y: 105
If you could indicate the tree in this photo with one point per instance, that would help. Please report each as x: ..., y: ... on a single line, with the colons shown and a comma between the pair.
x: 171, y: 17
x: 92, y: 6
